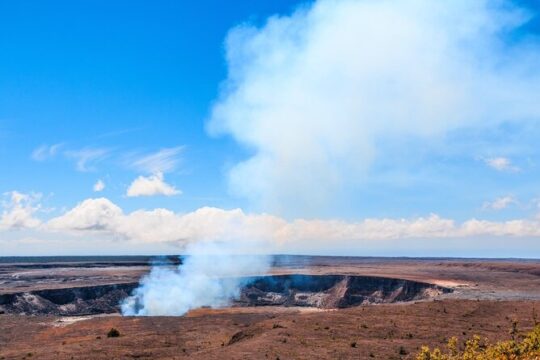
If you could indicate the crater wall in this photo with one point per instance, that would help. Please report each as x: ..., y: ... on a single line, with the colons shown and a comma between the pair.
x: 321, y: 291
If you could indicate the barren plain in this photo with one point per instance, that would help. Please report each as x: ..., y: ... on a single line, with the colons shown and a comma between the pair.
x: 343, y: 308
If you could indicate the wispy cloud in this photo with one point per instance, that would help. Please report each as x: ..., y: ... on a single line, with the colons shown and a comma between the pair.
x: 501, y: 164
x: 162, y: 161
x: 86, y: 158
x: 500, y: 203
x: 45, y: 152
x: 120, y: 132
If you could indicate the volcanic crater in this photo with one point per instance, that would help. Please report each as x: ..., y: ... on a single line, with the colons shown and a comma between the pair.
x: 294, y: 290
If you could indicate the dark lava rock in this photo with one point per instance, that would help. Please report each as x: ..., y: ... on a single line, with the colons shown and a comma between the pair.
x: 322, y: 291
x: 76, y: 301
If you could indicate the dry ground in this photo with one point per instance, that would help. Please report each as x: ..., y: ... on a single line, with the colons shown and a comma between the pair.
x: 488, y: 296
x: 370, y: 332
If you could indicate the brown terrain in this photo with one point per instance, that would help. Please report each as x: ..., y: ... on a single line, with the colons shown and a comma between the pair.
x: 331, y: 308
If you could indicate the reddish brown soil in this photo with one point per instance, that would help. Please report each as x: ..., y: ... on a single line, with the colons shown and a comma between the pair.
x: 376, y: 331
x: 488, y: 296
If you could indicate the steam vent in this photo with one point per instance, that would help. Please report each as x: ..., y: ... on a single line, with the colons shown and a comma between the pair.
x: 320, y: 291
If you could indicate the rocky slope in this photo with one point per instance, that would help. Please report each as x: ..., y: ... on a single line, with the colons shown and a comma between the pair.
x: 321, y: 291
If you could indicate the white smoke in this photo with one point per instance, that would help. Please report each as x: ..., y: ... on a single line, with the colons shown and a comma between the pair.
x: 212, y: 275
x: 320, y: 94
x: 324, y: 96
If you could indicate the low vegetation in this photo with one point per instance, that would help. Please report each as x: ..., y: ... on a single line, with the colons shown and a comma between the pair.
x: 113, y: 333
x: 518, y: 348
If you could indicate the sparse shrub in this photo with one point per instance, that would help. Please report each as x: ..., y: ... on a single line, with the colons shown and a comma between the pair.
x: 113, y: 333
x: 402, y: 351
x: 353, y: 344
x: 514, y: 331
x: 476, y: 349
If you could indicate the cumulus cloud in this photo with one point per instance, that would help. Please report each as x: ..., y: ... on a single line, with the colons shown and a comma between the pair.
x: 162, y: 161
x: 501, y: 164
x: 45, y: 152
x: 500, y: 203
x: 150, y: 186
x: 322, y: 94
x: 99, y: 186
x: 204, y: 224
x: 90, y: 215
x: 19, y: 210
x: 271, y: 233
x: 239, y: 232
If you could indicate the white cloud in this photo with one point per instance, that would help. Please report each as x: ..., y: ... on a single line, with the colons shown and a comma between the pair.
x: 500, y: 203
x: 45, y: 152
x: 99, y: 220
x: 19, y: 211
x: 322, y: 94
x: 213, y: 224
x: 501, y: 164
x: 86, y: 157
x: 90, y: 215
x: 162, y: 161
x: 150, y: 186
x: 99, y: 186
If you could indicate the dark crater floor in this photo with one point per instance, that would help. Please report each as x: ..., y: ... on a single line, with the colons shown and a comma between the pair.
x: 321, y: 291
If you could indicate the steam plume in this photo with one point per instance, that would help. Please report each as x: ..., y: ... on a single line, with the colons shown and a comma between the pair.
x: 209, y: 276
x: 321, y: 94
x: 324, y: 96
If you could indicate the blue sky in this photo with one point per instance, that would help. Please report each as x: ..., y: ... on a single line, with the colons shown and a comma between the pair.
x: 127, y: 77
x: 249, y: 105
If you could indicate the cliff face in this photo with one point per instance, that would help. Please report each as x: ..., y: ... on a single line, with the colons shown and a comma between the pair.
x: 87, y: 300
x: 332, y: 291
x: 322, y: 291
